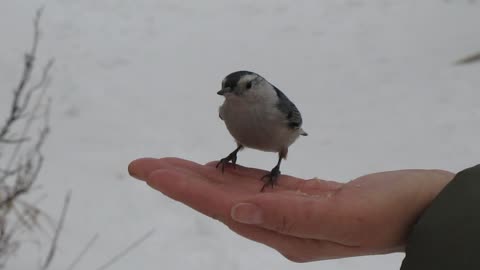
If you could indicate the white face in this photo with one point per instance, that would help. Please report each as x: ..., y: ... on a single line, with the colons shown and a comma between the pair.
x: 246, y: 85
x: 250, y: 88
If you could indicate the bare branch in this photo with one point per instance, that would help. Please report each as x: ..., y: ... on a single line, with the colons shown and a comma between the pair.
x: 469, y: 59
x: 25, y: 220
x: 124, y: 252
x: 6, y: 173
x: 16, y: 110
x: 14, y: 141
x: 53, y: 246
x: 84, y: 251
x: 23, y: 159
x: 44, y: 80
x: 28, y: 124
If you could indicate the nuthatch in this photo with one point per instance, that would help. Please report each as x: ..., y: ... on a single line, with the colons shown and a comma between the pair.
x: 258, y: 115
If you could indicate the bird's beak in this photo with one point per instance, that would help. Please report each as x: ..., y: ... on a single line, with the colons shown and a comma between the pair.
x: 223, y: 91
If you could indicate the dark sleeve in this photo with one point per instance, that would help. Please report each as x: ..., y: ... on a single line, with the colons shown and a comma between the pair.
x: 447, y: 235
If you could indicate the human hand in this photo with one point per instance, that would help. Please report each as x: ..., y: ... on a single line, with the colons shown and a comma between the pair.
x: 305, y: 220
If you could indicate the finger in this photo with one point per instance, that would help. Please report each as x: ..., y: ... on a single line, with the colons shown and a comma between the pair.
x: 143, y: 167
x: 239, y: 169
x: 312, y: 186
x: 194, y: 191
x: 211, y: 173
x: 283, y: 180
x: 294, y: 248
x: 316, y: 186
x: 316, y: 217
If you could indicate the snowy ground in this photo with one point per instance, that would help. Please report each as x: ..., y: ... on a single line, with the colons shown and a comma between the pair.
x: 373, y: 79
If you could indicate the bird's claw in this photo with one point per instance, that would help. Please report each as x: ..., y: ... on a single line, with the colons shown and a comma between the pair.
x: 226, y: 160
x: 272, y: 178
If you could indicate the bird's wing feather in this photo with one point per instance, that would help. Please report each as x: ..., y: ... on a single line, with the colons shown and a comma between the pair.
x: 292, y: 114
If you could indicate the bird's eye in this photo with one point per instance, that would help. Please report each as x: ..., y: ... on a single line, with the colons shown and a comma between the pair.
x: 249, y: 85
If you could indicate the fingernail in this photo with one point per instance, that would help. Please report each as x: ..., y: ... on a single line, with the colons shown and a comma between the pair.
x: 132, y: 172
x: 247, y: 213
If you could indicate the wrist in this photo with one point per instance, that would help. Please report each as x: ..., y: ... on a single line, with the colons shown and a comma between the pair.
x: 435, y: 181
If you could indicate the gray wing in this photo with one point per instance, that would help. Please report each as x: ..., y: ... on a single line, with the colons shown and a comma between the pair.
x: 292, y: 114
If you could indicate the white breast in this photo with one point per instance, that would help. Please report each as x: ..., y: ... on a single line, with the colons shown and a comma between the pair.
x: 257, y: 124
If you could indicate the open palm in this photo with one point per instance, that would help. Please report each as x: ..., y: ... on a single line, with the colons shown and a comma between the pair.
x: 304, y: 220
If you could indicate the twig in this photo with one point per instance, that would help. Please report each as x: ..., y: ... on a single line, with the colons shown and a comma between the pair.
x: 23, y: 218
x: 28, y: 125
x: 21, y: 164
x: 53, y: 246
x: 14, y: 141
x: 9, y: 172
x: 45, y: 79
x: 16, y: 110
x: 469, y: 59
x: 83, y: 252
x: 126, y: 250
x: 35, y: 213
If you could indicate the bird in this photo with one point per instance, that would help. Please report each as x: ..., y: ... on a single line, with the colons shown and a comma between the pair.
x: 258, y: 116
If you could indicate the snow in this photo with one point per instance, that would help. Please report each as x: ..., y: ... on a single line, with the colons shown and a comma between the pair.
x: 374, y: 80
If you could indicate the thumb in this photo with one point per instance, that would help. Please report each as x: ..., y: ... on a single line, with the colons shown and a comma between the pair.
x: 314, y: 217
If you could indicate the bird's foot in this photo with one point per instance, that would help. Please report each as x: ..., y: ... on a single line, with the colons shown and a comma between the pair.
x: 271, y: 177
x: 232, y: 157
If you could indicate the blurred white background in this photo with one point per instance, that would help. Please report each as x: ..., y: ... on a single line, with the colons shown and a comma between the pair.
x: 374, y: 80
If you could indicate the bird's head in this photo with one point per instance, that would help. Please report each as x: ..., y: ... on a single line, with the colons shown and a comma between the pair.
x: 240, y: 83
